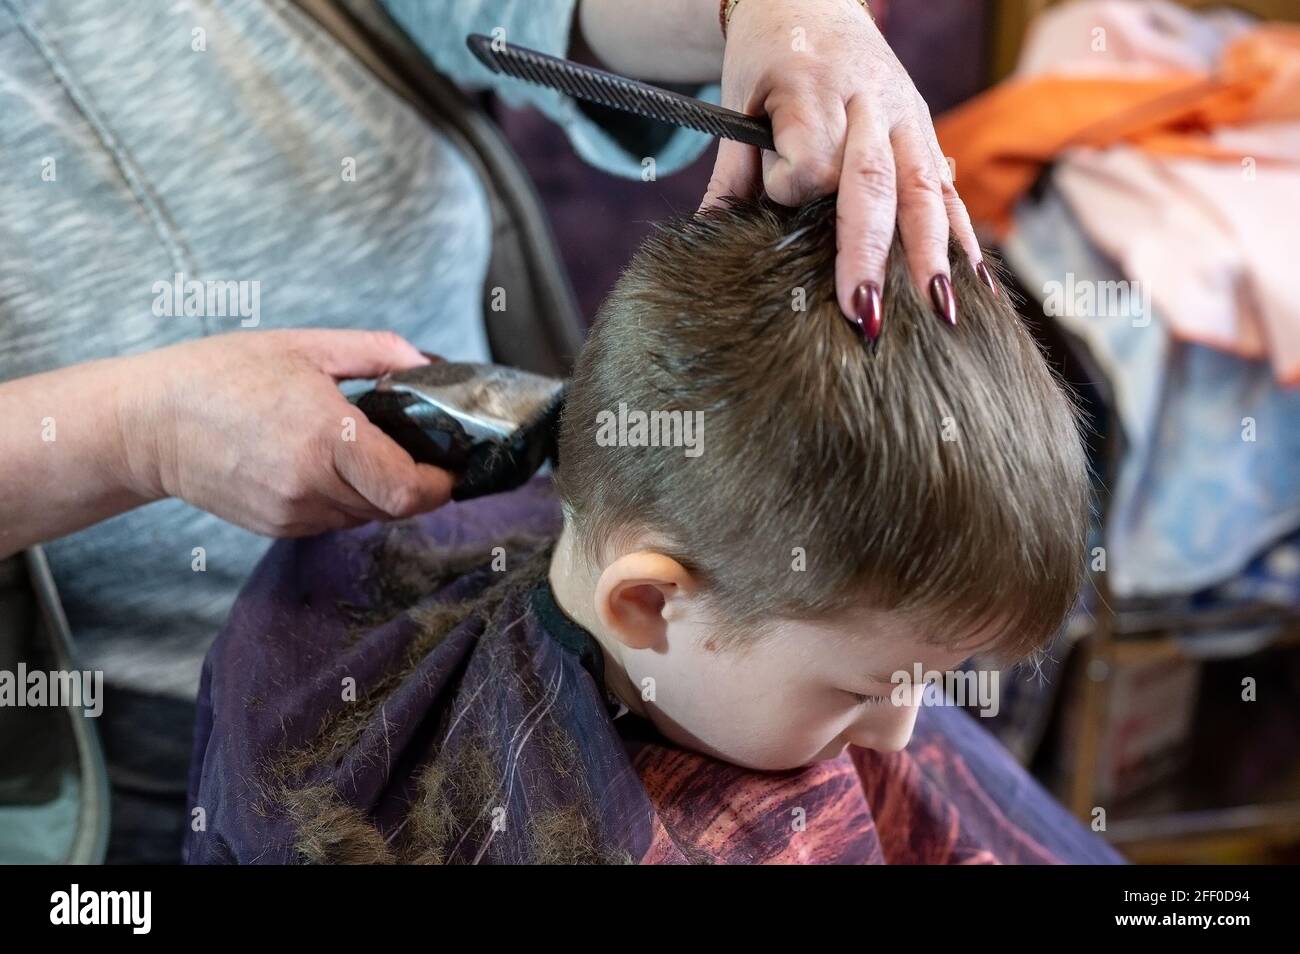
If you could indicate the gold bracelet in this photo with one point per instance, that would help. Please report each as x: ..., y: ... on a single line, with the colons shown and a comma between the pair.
x: 727, y: 7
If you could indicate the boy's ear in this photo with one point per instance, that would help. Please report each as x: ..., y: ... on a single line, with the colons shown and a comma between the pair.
x: 631, y: 595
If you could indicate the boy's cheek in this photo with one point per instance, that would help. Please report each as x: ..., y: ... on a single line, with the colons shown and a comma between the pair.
x: 691, y: 694
x: 733, y: 716
x: 701, y: 705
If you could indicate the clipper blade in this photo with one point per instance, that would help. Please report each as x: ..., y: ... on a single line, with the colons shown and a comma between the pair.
x: 491, y: 426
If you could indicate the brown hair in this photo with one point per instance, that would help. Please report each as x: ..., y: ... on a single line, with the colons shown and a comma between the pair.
x: 941, y: 476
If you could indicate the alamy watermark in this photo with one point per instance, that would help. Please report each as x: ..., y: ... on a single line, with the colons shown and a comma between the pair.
x: 1085, y: 298
x: 970, y: 688
x: 180, y: 298
x: 133, y: 909
x: 36, y: 688
x: 634, y: 428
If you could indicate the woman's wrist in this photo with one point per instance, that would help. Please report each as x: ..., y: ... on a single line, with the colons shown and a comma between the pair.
x: 78, y: 449
x: 142, y: 415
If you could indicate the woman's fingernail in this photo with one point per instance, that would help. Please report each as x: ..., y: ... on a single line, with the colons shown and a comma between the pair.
x: 945, y: 305
x: 986, y: 276
x: 866, y: 308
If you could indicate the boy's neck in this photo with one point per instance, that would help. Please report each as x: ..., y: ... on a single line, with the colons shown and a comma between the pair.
x: 575, y: 590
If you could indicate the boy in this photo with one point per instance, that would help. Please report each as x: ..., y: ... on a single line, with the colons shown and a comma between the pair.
x: 705, y: 665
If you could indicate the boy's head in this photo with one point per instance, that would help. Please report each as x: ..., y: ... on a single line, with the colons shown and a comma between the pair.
x: 822, y: 516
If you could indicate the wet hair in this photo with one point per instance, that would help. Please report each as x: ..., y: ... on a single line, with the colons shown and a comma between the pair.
x: 941, y: 476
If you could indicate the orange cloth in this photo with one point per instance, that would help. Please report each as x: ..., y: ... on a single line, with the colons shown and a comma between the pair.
x: 1002, y: 139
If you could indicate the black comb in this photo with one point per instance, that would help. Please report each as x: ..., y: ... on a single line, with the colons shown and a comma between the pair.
x: 619, y: 92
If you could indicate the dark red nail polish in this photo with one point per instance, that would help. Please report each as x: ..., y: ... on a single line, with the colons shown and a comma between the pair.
x: 945, y: 304
x: 985, y: 276
x: 866, y: 308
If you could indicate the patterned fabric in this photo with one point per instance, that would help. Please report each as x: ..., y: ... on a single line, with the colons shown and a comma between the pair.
x: 414, y: 694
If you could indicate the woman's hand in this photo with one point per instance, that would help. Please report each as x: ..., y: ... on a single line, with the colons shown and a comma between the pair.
x: 252, y: 427
x: 845, y: 116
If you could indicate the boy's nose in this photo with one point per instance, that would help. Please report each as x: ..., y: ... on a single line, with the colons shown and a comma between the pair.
x: 885, y: 729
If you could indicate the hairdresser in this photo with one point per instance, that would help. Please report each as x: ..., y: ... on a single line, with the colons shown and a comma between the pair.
x: 213, y: 212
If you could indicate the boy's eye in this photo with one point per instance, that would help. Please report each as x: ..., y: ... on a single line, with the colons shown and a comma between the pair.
x: 863, y: 699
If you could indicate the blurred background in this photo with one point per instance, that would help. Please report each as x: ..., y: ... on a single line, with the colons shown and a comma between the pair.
x: 1135, y: 167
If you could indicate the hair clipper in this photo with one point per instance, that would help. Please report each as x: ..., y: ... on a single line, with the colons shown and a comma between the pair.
x: 490, y: 426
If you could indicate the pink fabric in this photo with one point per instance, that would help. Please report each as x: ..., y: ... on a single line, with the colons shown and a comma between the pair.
x: 1215, y: 248
x: 1213, y: 243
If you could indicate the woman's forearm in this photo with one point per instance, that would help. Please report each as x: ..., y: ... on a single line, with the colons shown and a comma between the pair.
x: 669, y: 41
x: 67, y: 459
